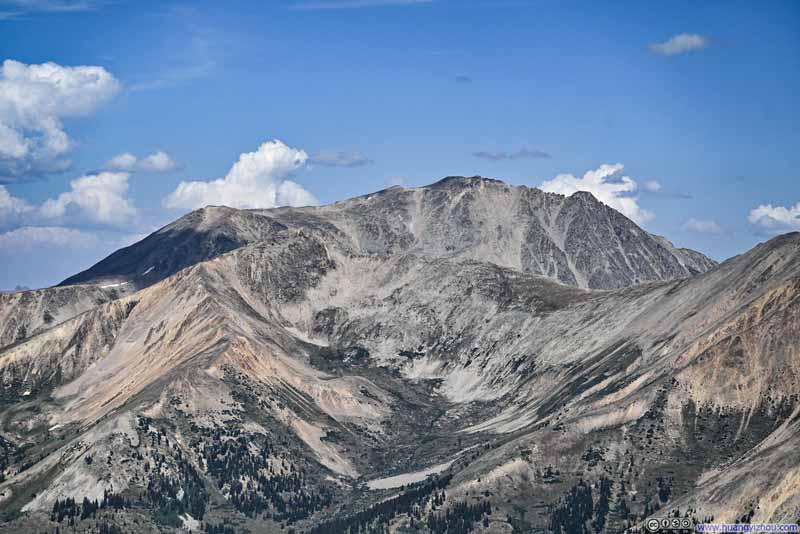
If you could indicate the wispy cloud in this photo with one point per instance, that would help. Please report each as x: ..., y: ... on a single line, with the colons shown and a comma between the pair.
x: 29, y: 237
x: 654, y: 187
x: 340, y: 159
x: 194, y: 58
x: 701, y: 226
x: 525, y: 153
x: 14, y: 9
x: 201, y: 66
x: 680, y: 44
x: 318, y: 5
x: 172, y: 77
x: 54, y: 5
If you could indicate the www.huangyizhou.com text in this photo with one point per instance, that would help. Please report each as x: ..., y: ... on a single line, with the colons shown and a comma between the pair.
x: 745, y: 527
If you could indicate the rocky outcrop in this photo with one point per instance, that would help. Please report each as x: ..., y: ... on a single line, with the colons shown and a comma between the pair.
x: 27, y: 313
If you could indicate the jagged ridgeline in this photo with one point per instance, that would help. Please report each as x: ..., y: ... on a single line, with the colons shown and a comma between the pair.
x: 463, y: 357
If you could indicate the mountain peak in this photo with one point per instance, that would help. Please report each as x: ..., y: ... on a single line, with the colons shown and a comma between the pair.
x: 584, y: 196
x: 576, y: 241
x: 469, y: 181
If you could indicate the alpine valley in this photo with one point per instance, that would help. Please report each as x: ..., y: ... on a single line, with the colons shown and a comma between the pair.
x: 468, y: 356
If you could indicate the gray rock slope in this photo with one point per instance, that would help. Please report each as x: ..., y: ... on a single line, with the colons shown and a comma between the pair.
x: 574, y: 240
x: 27, y: 313
x: 313, y: 376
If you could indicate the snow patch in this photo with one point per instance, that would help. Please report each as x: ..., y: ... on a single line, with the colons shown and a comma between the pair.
x: 467, y: 385
x: 509, y: 420
x: 613, y: 418
x: 424, y: 368
x: 190, y: 523
x: 460, y: 384
x: 114, y: 285
x: 407, y: 478
x: 299, y: 334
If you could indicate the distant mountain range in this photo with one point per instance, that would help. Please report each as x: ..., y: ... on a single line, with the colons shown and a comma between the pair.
x: 16, y: 289
x: 468, y: 356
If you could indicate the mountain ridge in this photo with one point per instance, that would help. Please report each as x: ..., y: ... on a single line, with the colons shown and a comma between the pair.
x: 559, y: 250
x: 306, y: 379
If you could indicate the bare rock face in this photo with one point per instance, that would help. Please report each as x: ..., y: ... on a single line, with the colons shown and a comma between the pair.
x: 463, y: 357
x: 574, y: 240
x: 26, y: 313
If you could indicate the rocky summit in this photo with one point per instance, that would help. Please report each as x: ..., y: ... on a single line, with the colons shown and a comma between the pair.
x: 468, y: 356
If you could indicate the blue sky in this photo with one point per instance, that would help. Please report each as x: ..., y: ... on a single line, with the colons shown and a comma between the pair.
x: 698, y: 102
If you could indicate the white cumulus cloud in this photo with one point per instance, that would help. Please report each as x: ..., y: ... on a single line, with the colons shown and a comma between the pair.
x: 122, y: 162
x: 34, y: 99
x: 94, y: 199
x: 12, y: 209
x: 701, y: 226
x: 30, y: 237
x: 159, y: 161
x: 775, y: 219
x: 618, y: 194
x: 256, y: 180
x: 680, y: 44
x: 97, y: 198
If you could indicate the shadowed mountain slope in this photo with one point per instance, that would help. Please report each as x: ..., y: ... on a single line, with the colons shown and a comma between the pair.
x: 201, y: 235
